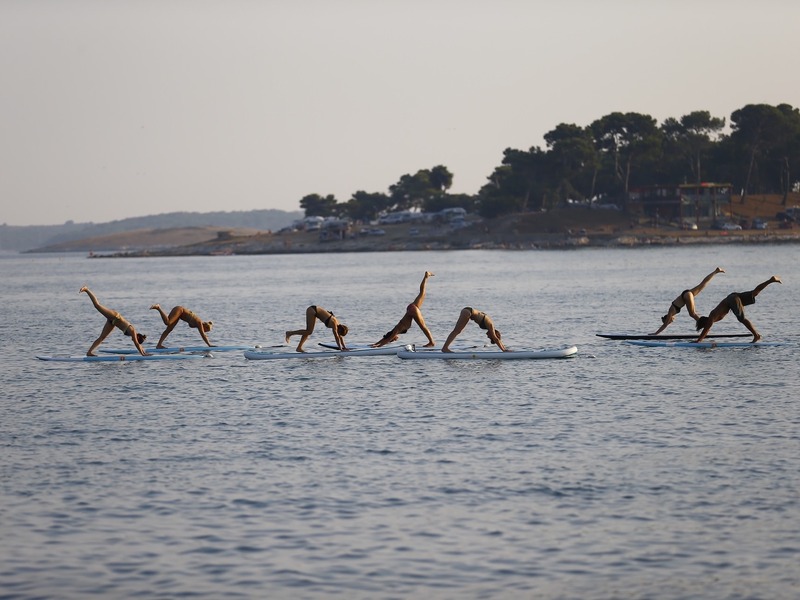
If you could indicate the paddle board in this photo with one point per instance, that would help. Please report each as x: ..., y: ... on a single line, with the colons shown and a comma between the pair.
x: 267, y: 355
x: 120, y: 357
x: 179, y: 349
x: 383, y: 350
x: 689, y: 336
x: 703, y: 344
x: 410, y: 353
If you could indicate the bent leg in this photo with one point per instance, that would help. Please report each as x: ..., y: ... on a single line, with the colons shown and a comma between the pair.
x: 161, y: 312
x: 688, y: 299
x: 311, y: 319
x: 170, y: 321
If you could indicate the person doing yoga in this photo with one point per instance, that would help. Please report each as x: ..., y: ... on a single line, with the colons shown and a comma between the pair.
x: 734, y: 303
x: 686, y: 298
x: 113, y: 319
x: 181, y: 313
x: 483, y: 320
x: 328, y: 319
x: 413, y: 315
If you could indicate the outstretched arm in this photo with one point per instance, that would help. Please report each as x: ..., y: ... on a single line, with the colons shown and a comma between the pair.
x: 387, y: 339
x: 496, y: 338
x: 666, y: 322
x: 203, y: 335
x: 705, y: 331
x: 135, y: 338
x: 337, y: 337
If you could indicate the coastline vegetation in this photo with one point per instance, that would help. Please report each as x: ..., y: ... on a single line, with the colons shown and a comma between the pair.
x: 757, y: 151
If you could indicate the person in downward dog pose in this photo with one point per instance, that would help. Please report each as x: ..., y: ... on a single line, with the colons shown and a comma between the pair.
x: 413, y: 314
x: 113, y: 319
x: 180, y: 313
x: 686, y: 298
x: 328, y: 319
x: 484, y: 322
x: 734, y: 303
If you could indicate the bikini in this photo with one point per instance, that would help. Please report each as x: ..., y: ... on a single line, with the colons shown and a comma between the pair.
x: 121, y: 323
x: 482, y: 323
x: 675, y: 306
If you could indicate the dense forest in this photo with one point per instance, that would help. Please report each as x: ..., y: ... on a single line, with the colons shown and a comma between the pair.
x: 757, y: 151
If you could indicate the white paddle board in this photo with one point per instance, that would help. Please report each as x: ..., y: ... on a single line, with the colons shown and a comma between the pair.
x: 120, y: 357
x: 179, y: 349
x: 410, y: 353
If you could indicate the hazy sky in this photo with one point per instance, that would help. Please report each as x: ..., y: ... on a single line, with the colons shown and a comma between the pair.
x: 112, y: 108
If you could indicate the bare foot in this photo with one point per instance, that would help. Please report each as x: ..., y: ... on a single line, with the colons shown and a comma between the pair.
x: 299, y: 349
x: 429, y: 345
x: 155, y: 307
x: 90, y: 353
x: 776, y: 279
x: 287, y: 337
x: 446, y: 350
x: 428, y: 274
x: 756, y: 337
x: 719, y: 270
x: 84, y: 289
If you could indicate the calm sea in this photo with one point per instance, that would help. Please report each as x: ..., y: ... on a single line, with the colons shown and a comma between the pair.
x: 626, y: 472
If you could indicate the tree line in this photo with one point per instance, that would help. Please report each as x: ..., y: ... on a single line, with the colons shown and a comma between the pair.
x: 759, y: 154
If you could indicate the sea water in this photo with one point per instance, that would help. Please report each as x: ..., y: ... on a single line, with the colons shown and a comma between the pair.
x: 625, y: 472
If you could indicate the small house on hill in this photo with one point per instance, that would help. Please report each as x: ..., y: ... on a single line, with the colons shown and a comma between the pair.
x: 697, y: 203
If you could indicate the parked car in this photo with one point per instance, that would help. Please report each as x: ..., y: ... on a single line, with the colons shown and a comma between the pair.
x: 688, y: 224
x: 727, y: 226
x: 372, y: 231
x: 759, y: 224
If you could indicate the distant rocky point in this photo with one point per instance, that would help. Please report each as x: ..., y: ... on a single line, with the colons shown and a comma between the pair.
x: 99, y: 236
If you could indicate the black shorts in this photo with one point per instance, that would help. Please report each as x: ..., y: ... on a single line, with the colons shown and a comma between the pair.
x: 737, y: 301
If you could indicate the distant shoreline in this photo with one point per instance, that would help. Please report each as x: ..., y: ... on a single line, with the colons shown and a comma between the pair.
x: 256, y: 245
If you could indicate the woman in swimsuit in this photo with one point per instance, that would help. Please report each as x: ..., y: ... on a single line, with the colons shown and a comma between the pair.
x: 734, y: 303
x: 328, y: 319
x: 413, y: 314
x: 686, y: 298
x: 483, y: 320
x: 113, y: 319
x: 180, y: 313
